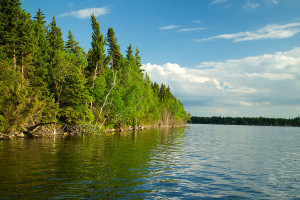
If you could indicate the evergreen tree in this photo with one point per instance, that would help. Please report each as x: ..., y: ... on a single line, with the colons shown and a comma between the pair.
x: 75, y: 98
x: 10, y: 15
x: 40, y: 18
x: 97, y: 69
x: 137, y: 57
x: 114, y: 49
x: 41, y: 55
x: 98, y: 60
x: 57, y: 66
x: 71, y: 45
x: 54, y: 37
x: 129, y: 53
x: 155, y: 88
x: 25, y: 44
x: 42, y: 80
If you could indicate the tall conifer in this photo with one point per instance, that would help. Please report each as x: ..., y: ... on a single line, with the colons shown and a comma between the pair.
x: 98, y: 60
x: 10, y: 14
x: 129, y: 52
x: 54, y: 37
x: 114, y: 49
x: 97, y: 66
x: 71, y: 45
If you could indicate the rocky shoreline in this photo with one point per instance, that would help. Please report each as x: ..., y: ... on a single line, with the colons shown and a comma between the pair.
x: 43, y: 131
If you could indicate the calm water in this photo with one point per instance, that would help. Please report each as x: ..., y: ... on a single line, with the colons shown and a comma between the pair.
x: 196, y: 162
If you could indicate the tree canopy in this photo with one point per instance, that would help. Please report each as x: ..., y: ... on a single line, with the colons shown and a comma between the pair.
x: 46, y: 80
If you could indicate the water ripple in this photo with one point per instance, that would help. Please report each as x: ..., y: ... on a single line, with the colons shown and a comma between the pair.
x: 197, y: 162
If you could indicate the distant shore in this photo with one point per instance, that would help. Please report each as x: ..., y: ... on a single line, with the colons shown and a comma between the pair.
x: 257, y: 121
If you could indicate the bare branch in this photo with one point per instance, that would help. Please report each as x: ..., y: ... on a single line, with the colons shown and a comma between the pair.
x: 112, y: 87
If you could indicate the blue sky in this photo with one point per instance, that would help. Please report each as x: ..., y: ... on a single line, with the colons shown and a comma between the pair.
x: 220, y: 57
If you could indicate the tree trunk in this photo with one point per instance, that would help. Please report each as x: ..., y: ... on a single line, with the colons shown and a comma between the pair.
x: 22, y: 68
x: 14, y: 58
x: 95, y: 76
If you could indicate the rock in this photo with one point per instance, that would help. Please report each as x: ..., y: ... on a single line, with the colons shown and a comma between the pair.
x: 21, y: 135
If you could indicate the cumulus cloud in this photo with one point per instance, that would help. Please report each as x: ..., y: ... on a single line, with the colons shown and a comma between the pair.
x: 271, y: 31
x: 168, y: 27
x: 263, y: 83
x: 86, y: 13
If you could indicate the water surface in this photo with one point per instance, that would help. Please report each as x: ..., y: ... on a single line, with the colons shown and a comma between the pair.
x: 196, y: 162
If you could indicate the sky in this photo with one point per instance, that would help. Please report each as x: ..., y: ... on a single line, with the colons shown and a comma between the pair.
x: 219, y: 57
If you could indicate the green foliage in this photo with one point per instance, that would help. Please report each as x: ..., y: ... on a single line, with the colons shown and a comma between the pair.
x: 114, y: 49
x: 74, y: 96
x: 10, y: 17
x: 71, y: 45
x: 97, y: 59
x: 40, y: 56
x: 54, y: 36
x: 43, y: 80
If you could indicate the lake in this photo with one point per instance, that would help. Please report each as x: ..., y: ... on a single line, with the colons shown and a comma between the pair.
x: 193, y: 162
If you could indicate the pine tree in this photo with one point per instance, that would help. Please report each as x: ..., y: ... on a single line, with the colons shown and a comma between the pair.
x: 114, y: 49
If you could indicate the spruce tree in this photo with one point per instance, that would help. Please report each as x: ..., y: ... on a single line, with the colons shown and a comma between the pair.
x: 129, y: 52
x: 10, y: 15
x: 75, y: 97
x: 25, y: 44
x: 41, y: 55
x: 114, y: 49
x: 97, y: 70
x: 57, y: 67
x: 71, y: 45
x: 54, y: 36
x: 137, y: 57
x: 98, y: 60
x: 40, y: 18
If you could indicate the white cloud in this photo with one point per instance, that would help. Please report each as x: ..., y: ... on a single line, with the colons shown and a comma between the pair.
x: 271, y: 31
x: 86, y: 13
x: 218, y: 2
x: 168, y: 27
x: 251, y: 5
x: 249, y: 86
x: 190, y: 29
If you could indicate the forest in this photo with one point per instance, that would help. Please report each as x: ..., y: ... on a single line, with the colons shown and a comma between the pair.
x: 257, y: 121
x: 51, y: 83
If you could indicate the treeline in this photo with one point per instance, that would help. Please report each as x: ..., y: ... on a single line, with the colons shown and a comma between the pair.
x: 46, y: 80
x: 257, y: 121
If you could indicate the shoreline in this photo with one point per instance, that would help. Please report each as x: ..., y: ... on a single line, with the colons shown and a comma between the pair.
x: 43, y: 131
